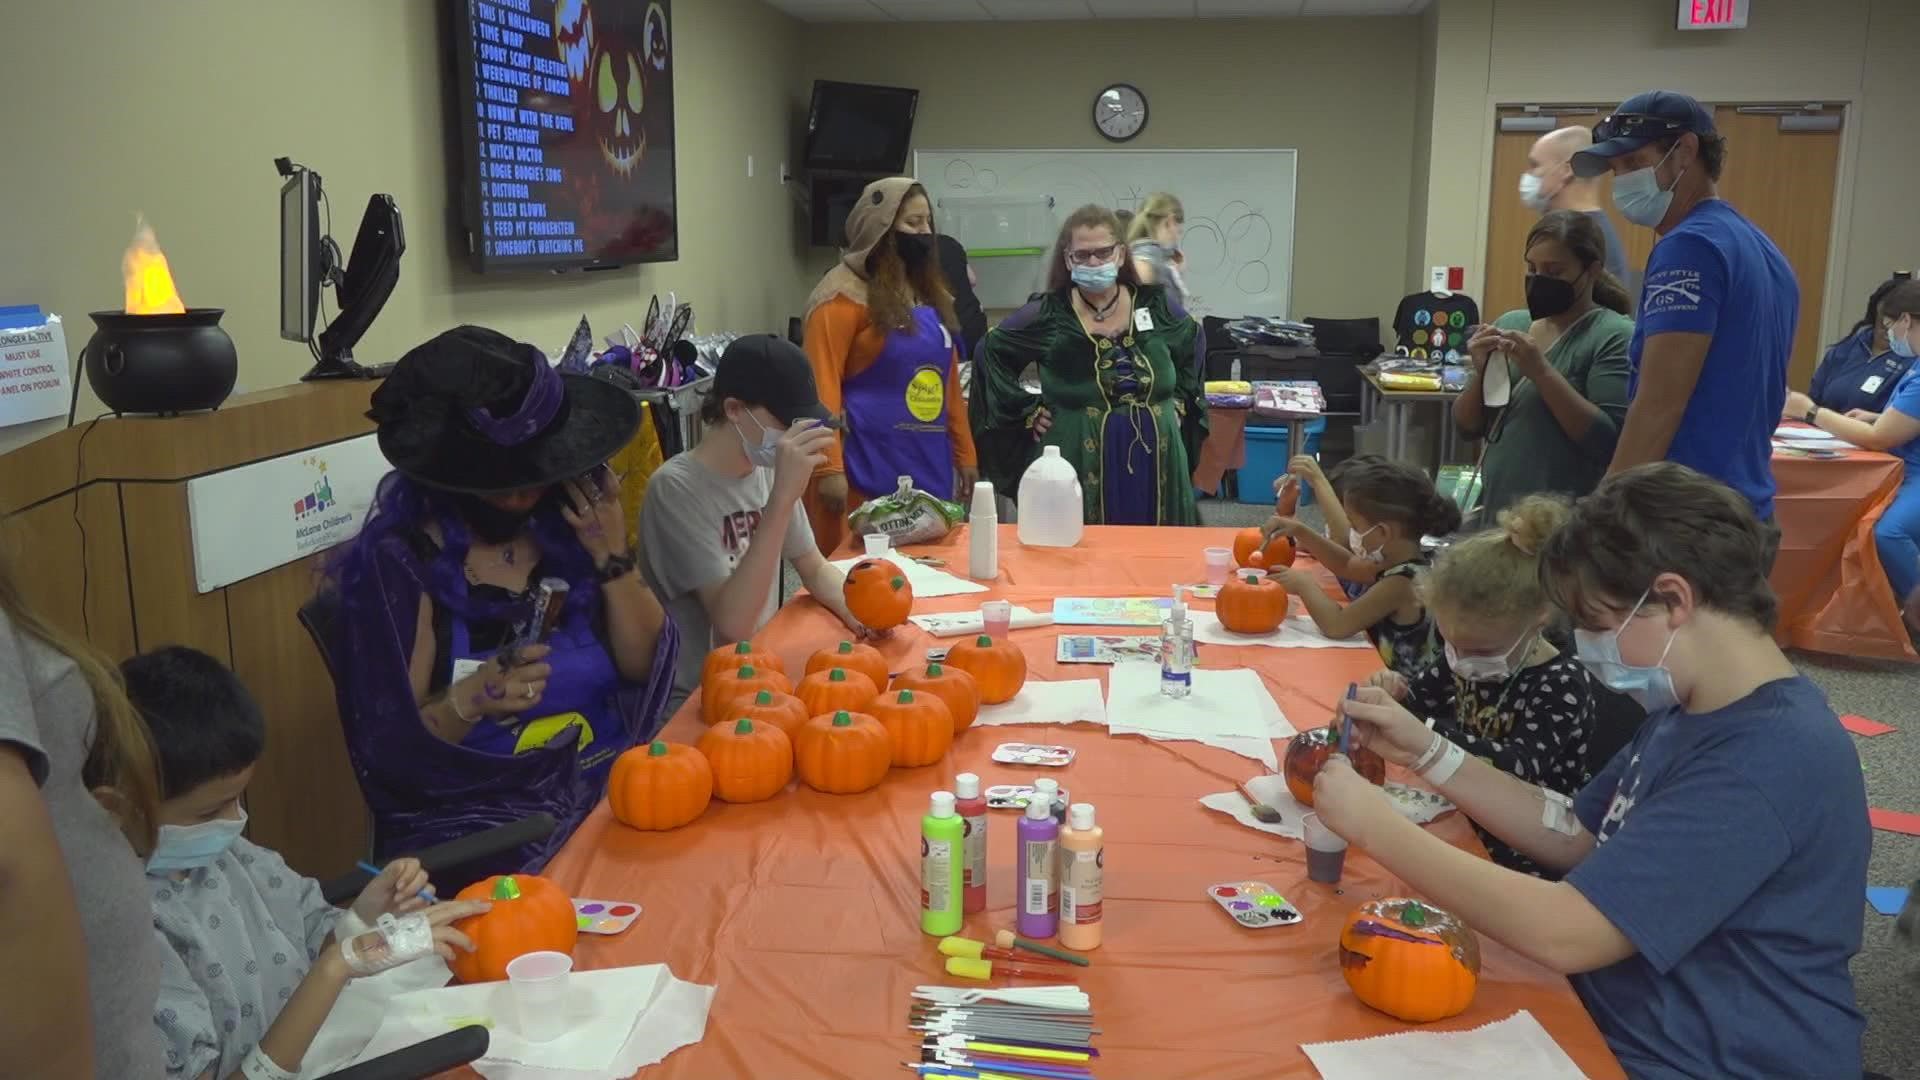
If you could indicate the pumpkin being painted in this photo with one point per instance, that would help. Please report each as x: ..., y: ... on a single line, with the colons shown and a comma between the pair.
x: 659, y: 786
x: 920, y: 725
x: 1251, y: 604
x: 718, y: 696
x: 843, y: 754
x: 854, y: 656
x: 951, y: 685
x: 529, y: 914
x: 877, y: 593
x: 1274, y: 554
x: 751, y: 762
x: 1409, y: 959
x: 999, y: 667
x: 1310, y: 750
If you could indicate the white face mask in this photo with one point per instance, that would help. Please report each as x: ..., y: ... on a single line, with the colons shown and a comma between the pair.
x: 1639, y: 196
x: 1356, y: 538
x: 1496, y: 668
x: 1531, y: 193
x: 189, y: 847
x: 768, y: 451
x: 1651, y: 686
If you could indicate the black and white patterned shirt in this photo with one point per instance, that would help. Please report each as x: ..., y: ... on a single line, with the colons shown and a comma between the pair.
x: 1534, y: 726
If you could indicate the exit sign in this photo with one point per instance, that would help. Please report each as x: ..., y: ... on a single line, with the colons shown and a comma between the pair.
x: 1713, y: 14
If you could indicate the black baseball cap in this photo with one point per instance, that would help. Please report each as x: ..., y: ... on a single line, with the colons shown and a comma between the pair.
x: 771, y: 372
x: 1642, y: 118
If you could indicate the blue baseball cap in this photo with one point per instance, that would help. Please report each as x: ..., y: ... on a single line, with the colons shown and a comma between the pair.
x: 1642, y: 118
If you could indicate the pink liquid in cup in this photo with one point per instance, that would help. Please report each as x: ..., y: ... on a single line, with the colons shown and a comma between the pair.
x: 1219, y: 565
x: 997, y: 618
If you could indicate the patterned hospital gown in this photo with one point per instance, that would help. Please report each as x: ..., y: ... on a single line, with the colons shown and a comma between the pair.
x: 239, y: 936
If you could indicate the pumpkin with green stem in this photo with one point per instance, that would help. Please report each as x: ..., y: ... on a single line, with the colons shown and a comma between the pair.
x: 1410, y: 959
x: 529, y: 914
x: 659, y: 786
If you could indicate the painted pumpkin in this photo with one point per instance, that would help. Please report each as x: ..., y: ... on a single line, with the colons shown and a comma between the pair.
x: 718, y: 697
x: 1251, y: 604
x: 920, y: 725
x: 853, y: 656
x: 736, y: 656
x: 877, y: 594
x: 659, y: 786
x: 1409, y: 959
x: 844, y: 753
x: 751, y: 762
x: 951, y: 685
x: 999, y: 667
x: 530, y: 914
x: 1310, y: 749
x: 1288, y: 502
x: 1276, y: 553
x: 783, y: 711
x: 829, y: 691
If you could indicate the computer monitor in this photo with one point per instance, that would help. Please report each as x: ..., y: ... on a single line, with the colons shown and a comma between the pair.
x: 300, y: 253
x: 372, y: 270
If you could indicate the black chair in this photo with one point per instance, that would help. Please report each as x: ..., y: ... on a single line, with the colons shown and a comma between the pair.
x: 1616, y: 720
x: 458, y: 1047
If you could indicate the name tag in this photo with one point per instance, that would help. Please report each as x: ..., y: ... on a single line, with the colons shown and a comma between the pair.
x: 1143, y: 319
x: 1873, y: 383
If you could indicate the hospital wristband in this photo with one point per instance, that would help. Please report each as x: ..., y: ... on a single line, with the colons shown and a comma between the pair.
x: 258, y: 1066
x: 1439, y: 772
x: 1432, y: 753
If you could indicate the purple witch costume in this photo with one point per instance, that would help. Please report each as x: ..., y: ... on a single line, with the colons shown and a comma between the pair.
x: 472, y: 411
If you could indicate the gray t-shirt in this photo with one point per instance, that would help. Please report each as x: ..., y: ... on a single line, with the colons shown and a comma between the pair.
x: 1616, y: 251
x: 46, y: 712
x: 694, y: 527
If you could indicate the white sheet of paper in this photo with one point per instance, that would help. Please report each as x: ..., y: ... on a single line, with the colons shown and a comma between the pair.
x: 962, y: 623
x: 1517, y: 1048
x: 1068, y: 701
x: 357, y: 1013
x: 927, y: 581
x: 1415, y: 804
x: 1231, y: 710
x: 1298, y: 632
x: 1807, y: 434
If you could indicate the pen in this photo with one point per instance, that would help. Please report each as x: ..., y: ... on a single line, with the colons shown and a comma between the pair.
x: 1346, y: 722
x: 426, y: 895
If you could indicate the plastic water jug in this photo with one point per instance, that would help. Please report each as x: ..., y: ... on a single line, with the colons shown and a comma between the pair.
x: 1051, y: 510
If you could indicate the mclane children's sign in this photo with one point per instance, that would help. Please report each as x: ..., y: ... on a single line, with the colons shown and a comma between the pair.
x: 250, y: 519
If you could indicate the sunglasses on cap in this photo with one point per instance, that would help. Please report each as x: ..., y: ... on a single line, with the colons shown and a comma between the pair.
x: 1636, y: 126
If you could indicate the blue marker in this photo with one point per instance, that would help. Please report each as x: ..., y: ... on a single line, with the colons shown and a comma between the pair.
x: 425, y: 895
x: 1346, y: 722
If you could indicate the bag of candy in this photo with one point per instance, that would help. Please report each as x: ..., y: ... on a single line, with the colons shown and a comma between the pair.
x: 908, y: 516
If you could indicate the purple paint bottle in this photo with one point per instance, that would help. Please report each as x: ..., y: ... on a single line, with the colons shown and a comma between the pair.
x: 1039, y: 837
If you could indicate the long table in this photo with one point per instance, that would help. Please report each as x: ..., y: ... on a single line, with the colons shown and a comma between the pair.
x: 1834, y: 595
x: 803, y: 909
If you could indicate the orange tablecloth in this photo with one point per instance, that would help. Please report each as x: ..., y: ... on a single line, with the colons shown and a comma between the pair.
x: 1834, y: 597
x: 804, y: 909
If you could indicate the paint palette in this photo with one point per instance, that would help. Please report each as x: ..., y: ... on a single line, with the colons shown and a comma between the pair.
x: 1015, y: 796
x: 604, y: 916
x: 1019, y: 753
x: 1254, y: 904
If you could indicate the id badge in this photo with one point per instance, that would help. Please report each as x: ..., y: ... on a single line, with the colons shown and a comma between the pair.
x: 1872, y: 384
x: 1142, y: 320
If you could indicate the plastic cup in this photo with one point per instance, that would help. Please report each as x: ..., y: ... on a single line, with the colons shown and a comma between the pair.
x: 877, y: 545
x: 997, y: 618
x: 1219, y: 565
x: 538, y: 982
x: 1326, y: 851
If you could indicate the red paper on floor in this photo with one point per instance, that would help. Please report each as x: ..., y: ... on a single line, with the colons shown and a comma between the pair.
x: 1894, y: 821
x: 1860, y: 725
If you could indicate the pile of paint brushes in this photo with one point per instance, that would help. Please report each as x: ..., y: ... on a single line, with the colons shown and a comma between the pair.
x: 1030, y: 1033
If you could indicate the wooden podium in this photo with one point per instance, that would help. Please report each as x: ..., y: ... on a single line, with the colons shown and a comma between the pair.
x: 97, y: 527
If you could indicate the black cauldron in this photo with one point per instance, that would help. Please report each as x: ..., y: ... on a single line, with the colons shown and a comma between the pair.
x: 161, y: 363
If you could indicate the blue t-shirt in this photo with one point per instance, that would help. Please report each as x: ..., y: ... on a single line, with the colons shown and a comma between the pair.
x: 1906, y: 399
x: 1851, y: 377
x: 1732, y: 851
x: 1717, y: 273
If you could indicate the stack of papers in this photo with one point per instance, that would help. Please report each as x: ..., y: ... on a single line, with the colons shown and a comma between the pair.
x: 1298, y: 632
x: 1515, y: 1047
x: 1231, y: 710
x: 1070, y: 701
x: 1111, y: 610
x: 926, y: 580
x: 962, y: 623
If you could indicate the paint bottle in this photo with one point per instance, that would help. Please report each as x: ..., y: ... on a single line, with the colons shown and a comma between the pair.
x: 1176, y: 650
x: 983, y: 534
x: 1038, y: 835
x: 1049, y: 789
x: 1083, y: 865
x: 940, y: 873
x: 972, y: 809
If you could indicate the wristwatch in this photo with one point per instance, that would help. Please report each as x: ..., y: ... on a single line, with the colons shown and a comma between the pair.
x: 1812, y: 412
x: 614, y: 568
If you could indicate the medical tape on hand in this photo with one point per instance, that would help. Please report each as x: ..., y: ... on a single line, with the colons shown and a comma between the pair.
x: 389, y: 944
x: 1553, y: 813
x: 351, y: 925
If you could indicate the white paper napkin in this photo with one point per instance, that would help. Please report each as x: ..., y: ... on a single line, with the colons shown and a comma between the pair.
x: 1069, y: 701
x: 962, y: 623
x: 1231, y: 710
x: 1415, y: 804
x: 357, y: 1013
x: 1517, y: 1047
x: 926, y: 580
x: 619, y: 1020
x: 1298, y: 632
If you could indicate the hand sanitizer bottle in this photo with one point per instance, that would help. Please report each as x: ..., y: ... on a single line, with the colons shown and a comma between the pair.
x: 1176, y: 651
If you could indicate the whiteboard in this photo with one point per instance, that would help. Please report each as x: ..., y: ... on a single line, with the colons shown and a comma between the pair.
x: 1239, y: 205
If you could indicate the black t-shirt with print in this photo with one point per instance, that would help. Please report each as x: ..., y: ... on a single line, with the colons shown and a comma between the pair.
x: 1430, y: 325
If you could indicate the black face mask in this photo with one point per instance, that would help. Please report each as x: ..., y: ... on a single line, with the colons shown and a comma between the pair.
x: 914, y: 248
x: 1549, y: 296
x: 490, y: 524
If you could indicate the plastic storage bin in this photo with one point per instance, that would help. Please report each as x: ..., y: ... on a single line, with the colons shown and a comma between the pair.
x: 1267, y: 459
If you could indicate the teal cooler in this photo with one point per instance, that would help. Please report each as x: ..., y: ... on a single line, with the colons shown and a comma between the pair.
x: 1267, y: 460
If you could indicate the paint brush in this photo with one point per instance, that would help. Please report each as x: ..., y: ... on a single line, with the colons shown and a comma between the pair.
x: 1007, y: 940
x: 1003, y: 1065
x: 964, y: 946
x: 426, y: 895
x: 1261, y: 811
x: 1346, y: 722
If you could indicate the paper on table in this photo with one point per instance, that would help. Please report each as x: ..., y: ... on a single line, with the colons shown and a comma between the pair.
x: 1069, y: 701
x: 1810, y: 434
x: 619, y: 1020
x: 961, y: 623
x: 1415, y: 804
x: 1516, y: 1047
x: 358, y: 1011
x: 926, y: 580
x: 1231, y: 710
x: 1298, y: 632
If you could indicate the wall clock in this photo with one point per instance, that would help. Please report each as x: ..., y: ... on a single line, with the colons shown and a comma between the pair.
x: 1120, y: 111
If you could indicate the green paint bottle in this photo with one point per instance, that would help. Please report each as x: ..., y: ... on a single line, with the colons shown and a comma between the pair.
x: 942, y: 867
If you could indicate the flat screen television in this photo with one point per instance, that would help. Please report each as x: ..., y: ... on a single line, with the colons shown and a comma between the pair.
x: 855, y: 127
x: 564, y: 115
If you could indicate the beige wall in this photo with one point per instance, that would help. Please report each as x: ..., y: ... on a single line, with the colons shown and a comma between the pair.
x: 1341, y: 91
x: 115, y: 107
x: 1856, y: 52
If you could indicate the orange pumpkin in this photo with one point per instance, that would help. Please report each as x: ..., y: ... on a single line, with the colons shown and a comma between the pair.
x: 999, y: 667
x: 951, y: 685
x: 1276, y: 553
x: 751, y: 762
x: 1410, y: 960
x: 783, y: 711
x: 877, y: 594
x: 853, y: 656
x: 1310, y: 750
x: 530, y: 914
x: 1251, y: 604
x: 920, y: 725
x: 736, y: 656
x: 718, y: 697
x: 659, y: 786
x: 829, y: 691
x: 844, y: 753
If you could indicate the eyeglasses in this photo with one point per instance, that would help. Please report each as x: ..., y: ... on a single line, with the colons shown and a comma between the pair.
x: 1636, y: 125
x: 1092, y: 256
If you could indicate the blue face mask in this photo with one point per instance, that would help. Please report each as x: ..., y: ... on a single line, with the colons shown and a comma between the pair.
x: 1639, y: 196
x: 1096, y: 278
x: 189, y: 847
x: 1652, y: 686
x: 1900, y: 343
x: 768, y: 451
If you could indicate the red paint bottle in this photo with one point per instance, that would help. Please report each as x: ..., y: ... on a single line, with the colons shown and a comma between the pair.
x: 972, y: 808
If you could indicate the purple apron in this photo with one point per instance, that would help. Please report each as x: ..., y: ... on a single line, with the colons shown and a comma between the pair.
x: 896, y: 412
x: 578, y: 703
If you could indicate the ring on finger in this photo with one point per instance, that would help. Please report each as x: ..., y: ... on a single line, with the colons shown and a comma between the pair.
x: 531, y: 693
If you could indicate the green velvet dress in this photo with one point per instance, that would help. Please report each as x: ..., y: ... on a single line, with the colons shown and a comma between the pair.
x: 1129, y: 411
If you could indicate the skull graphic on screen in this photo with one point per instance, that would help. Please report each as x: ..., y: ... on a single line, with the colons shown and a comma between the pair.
x: 619, y: 96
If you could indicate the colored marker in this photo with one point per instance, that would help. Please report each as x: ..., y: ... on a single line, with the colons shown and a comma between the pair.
x: 425, y: 895
x: 1346, y: 722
